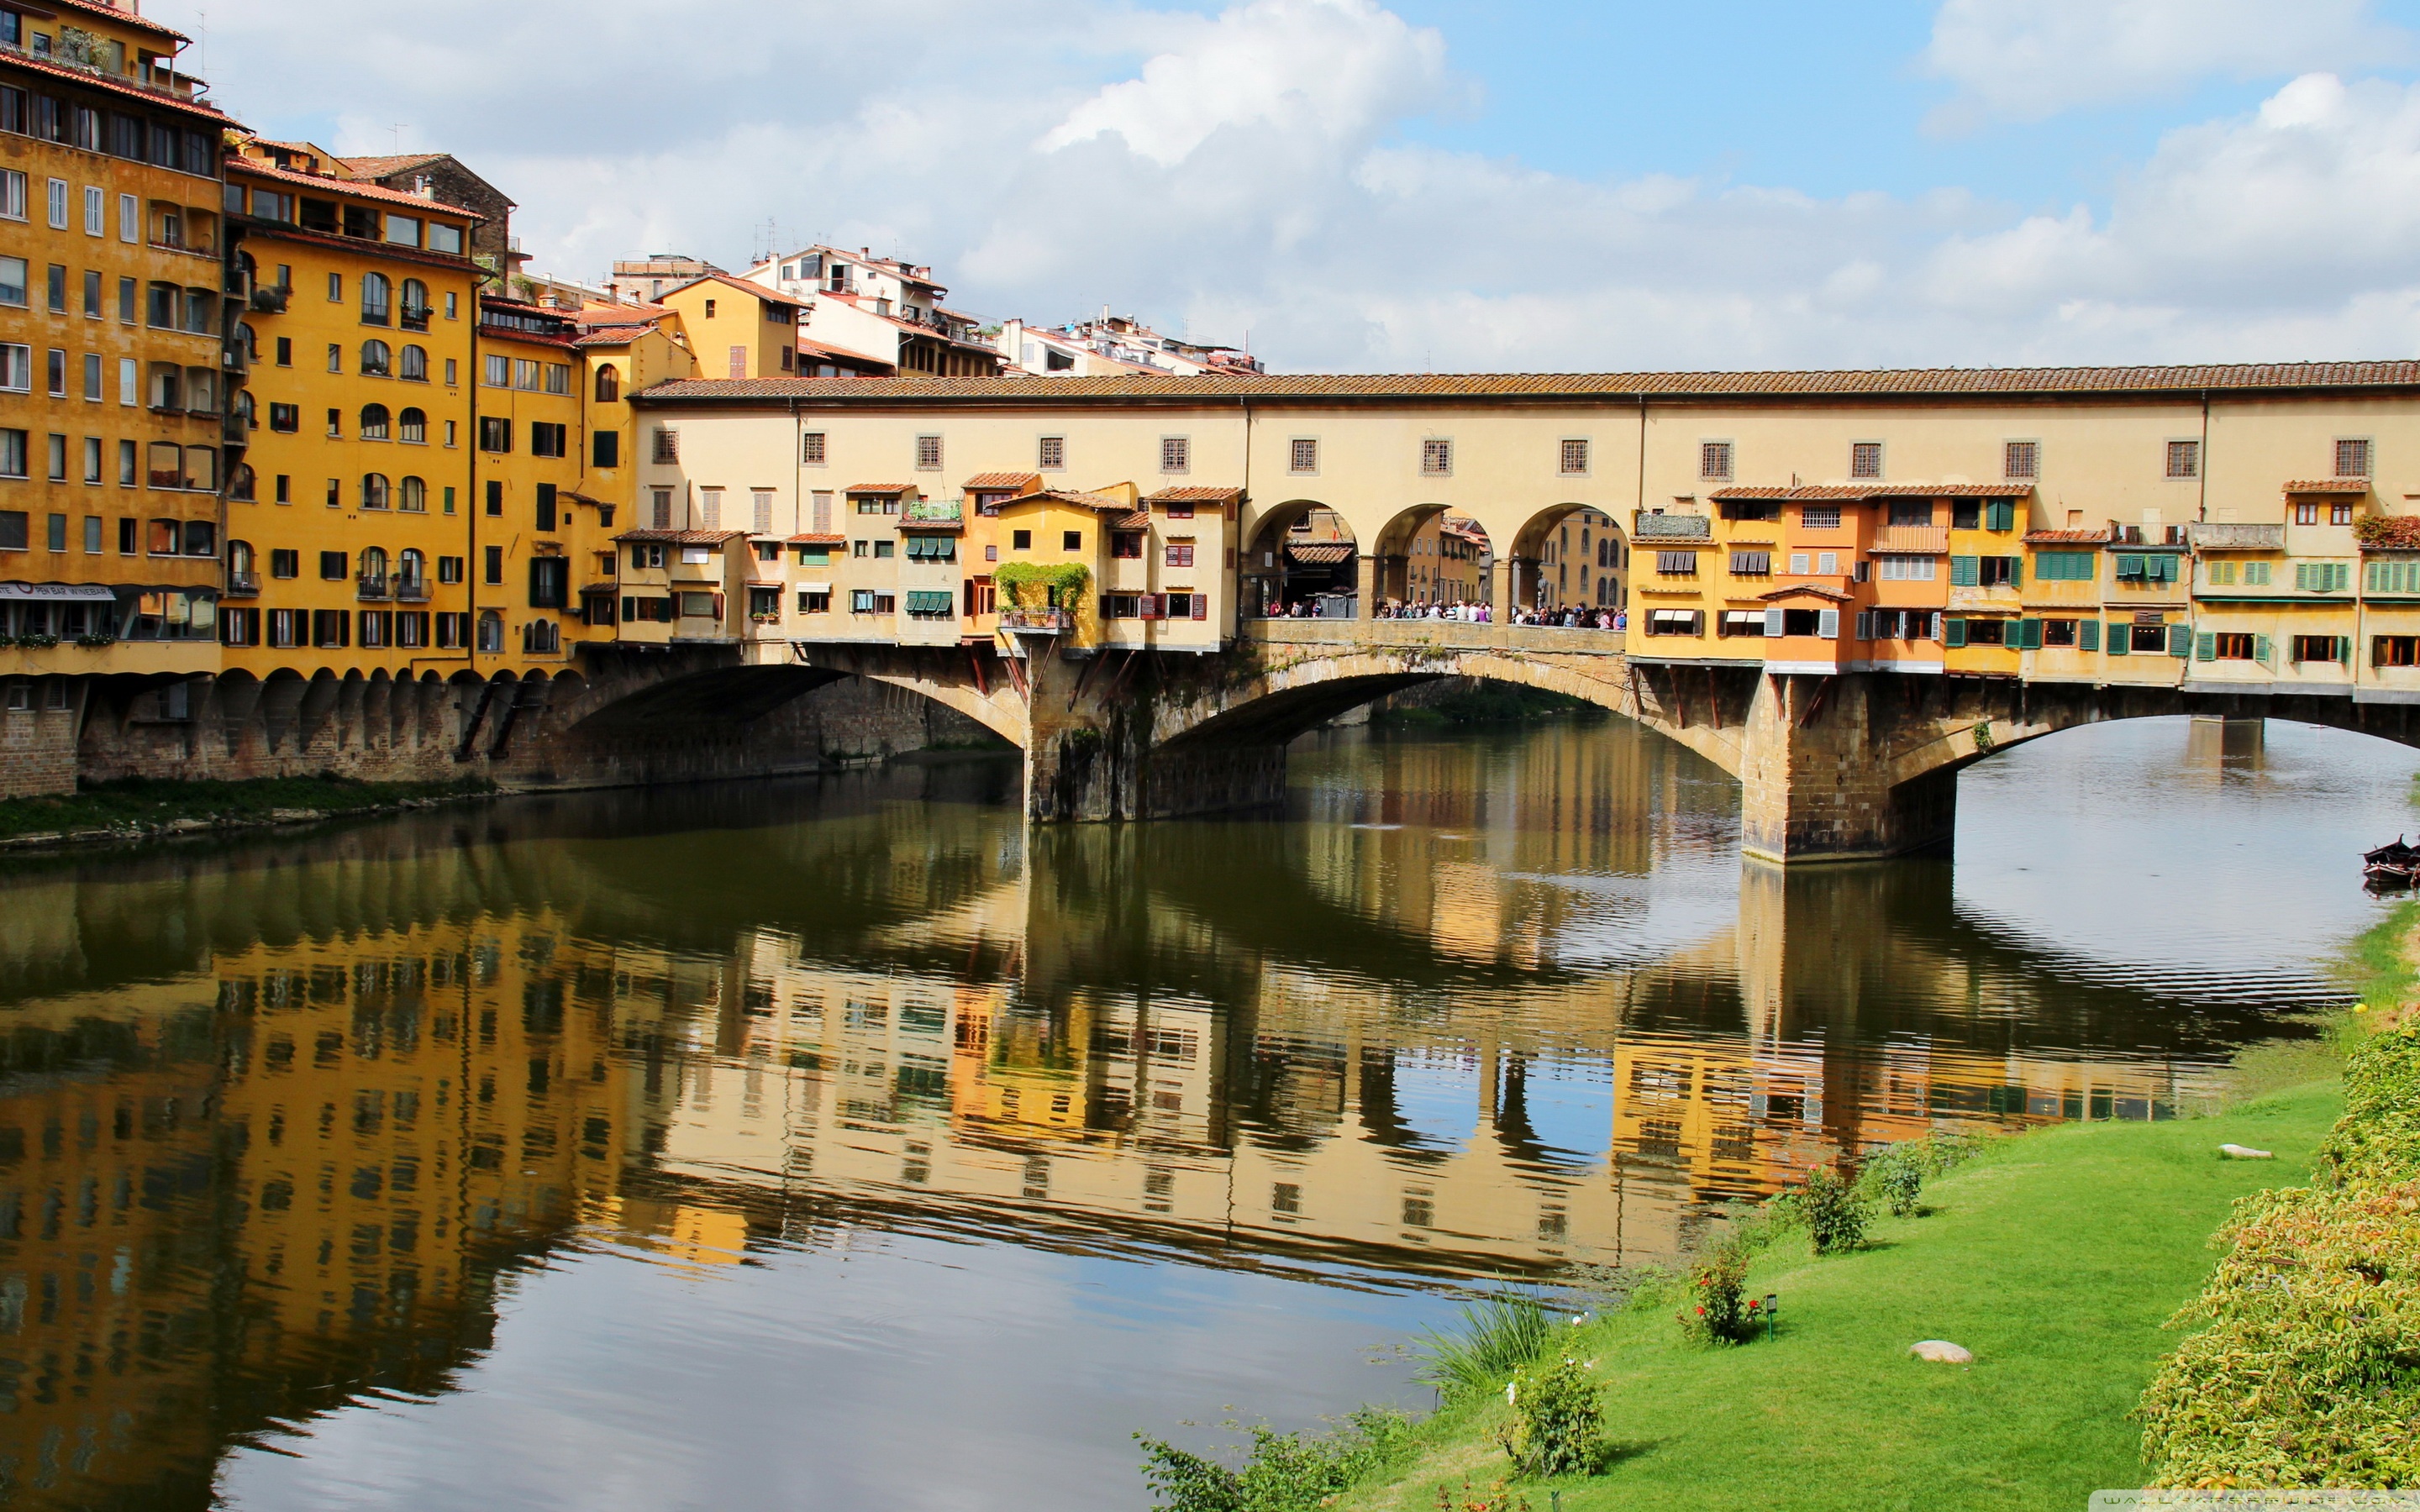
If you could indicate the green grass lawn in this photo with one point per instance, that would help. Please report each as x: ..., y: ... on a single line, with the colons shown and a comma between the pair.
x: 2055, y: 1256
x: 144, y: 801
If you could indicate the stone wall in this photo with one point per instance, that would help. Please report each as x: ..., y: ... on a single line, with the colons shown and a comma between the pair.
x: 38, y: 754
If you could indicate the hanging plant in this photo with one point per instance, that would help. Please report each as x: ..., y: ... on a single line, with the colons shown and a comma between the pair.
x: 1062, y: 583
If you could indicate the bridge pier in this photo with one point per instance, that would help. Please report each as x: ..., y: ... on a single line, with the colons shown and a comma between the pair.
x: 1817, y: 778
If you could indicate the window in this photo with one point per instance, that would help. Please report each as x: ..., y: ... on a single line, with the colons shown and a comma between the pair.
x: 2184, y: 459
x: 667, y: 444
x: 286, y: 418
x: 547, y: 438
x: 495, y: 496
x: 58, y: 204
x: 449, y: 569
x: 1892, y: 569
x: 376, y: 293
x: 2068, y: 566
x: 1676, y: 563
x: 445, y: 239
x: 1675, y: 621
x: 411, y: 496
x: 374, y: 422
x: 495, y: 433
x: 605, y: 449
x: 412, y: 425
x: 13, y: 194
x: 1071, y: 540
x: 2059, y: 632
x: 1126, y: 544
x: 1751, y: 563
x: 2021, y: 459
x: 414, y: 367
x: 928, y: 453
x: 1437, y: 458
x: 609, y: 383
x: 2322, y: 576
x: 493, y: 562
x: 1865, y: 459
x: 1304, y: 454
x: 56, y: 372
x: 525, y: 371
x: 54, y: 288
x: 285, y: 561
x: 1017, y: 540
x: 1051, y: 454
x: 2320, y: 648
x: 550, y: 582
x: 1180, y: 554
x: 497, y: 372
x: 12, y: 281
x: 1576, y: 457
x: 1819, y: 517
x: 2352, y: 461
x: 16, y: 368
x: 1175, y: 454
x: 2395, y: 651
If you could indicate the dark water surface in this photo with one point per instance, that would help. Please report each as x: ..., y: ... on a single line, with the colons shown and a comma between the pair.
x: 836, y: 1145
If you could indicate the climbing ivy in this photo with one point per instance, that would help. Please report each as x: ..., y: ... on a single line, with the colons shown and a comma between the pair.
x: 1061, y: 582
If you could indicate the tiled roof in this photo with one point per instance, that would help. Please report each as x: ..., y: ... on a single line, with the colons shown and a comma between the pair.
x: 1321, y: 553
x: 2344, y: 485
x: 1004, y: 480
x: 347, y: 186
x: 1106, y: 503
x: 2067, y: 537
x: 617, y: 315
x: 878, y: 487
x: 116, y: 86
x: 2178, y: 382
x: 1858, y: 493
x: 818, y: 540
x: 1139, y: 520
x: 610, y: 335
x: 683, y: 537
x: 1195, y: 493
x: 1833, y: 595
x: 380, y: 167
x: 124, y: 16
x: 773, y: 296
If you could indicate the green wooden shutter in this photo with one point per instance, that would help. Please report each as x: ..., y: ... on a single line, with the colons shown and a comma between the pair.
x: 2180, y: 639
x: 2206, y: 646
x: 2087, y: 636
x: 2016, y: 572
x: 2302, y: 576
x: 2029, y: 635
x: 2000, y: 514
x: 1965, y: 572
x: 2260, y: 649
x: 2122, y: 637
x: 2344, y: 650
x: 1953, y: 632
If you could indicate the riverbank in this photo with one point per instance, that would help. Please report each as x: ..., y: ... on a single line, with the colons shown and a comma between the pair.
x: 2057, y: 1257
x: 145, y: 808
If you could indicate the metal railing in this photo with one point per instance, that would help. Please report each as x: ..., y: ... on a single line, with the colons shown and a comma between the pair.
x: 411, y: 590
x: 1038, y: 621
x: 367, y: 586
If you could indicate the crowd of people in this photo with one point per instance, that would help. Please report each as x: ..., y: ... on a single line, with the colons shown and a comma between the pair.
x: 1577, y: 617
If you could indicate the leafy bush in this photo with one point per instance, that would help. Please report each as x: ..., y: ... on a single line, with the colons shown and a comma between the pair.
x: 1895, y: 1178
x: 1558, y: 1425
x: 2305, y: 1371
x: 1498, y: 1335
x: 1834, y: 1212
x: 1495, y: 1499
x: 1718, y: 1312
x: 1284, y: 1472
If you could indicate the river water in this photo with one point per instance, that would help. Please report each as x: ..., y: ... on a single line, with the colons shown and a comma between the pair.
x: 837, y: 1145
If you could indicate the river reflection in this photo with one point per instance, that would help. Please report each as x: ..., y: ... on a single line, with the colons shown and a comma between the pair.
x: 751, y: 1143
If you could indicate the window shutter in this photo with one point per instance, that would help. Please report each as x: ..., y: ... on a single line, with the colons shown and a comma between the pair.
x: 2087, y: 636
x: 2206, y: 646
x: 2303, y: 575
x: 1864, y: 624
x: 2344, y: 650
x: 1965, y: 572
x: 1954, y: 631
x: 2029, y: 635
x: 1827, y: 624
x: 2122, y: 637
x: 2260, y: 649
x: 1772, y: 620
x: 1200, y: 606
x: 2016, y: 572
x: 2180, y: 639
x: 1150, y: 605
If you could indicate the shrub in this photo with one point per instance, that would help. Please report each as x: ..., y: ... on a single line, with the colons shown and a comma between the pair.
x: 1895, y: 1178
x: 1498, y: 1335
x: 1284, y: 1472
x: 1836, y: 1213
x: 1558, y: 1425
x: 1717, y: 1312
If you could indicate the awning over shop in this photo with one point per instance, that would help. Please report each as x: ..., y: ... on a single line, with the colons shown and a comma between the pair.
x: 56, y: 593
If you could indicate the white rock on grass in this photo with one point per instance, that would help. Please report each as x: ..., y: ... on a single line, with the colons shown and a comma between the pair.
x: 1942, y: 1351
x: 2244, y: 1152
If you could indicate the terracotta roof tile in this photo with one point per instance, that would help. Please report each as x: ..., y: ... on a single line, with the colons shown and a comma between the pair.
x: 1195, y: 494
x: 610, y: 335
x: 1139, y: 520
x: 811, y: 539
x: 117, y: 87
x: 2067, y: 537
x: 355, y: 186
x: 2343, y: 486
x: 1832, y: 594
x: 1859, y: 492
x: 879, y: 487
x: 771, y: 296
x: 1106, y: 503
x: 380, y: 167
x: 1321, y: 553
x: 1876, y: 384
x: 121, y: 15
x: 1004, y: 480
x: 683, y: 537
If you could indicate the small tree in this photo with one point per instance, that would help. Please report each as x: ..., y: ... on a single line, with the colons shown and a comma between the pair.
x: 1717, y: 1312
x: 1558, y: 1425
x: 1896, y: 1176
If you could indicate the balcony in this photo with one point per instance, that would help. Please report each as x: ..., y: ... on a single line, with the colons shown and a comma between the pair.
x: 410, y: 590
x: 1673, y: 527
x: 270, y: 299
x: 234, y: 430
x: 2236, y: 538
x: 1913, y: 540
x: 370, y: 589
x: 243, y: 585
x: 1038, y: 621
x: 414, y: 319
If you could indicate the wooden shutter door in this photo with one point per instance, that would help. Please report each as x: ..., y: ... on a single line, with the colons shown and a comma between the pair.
x: 2180, y: 641
x: 1953, y: 632
x: 1773, y: 621
x: 2087, y: 636
x: 1827, y: 624
x: 1202, y: 605
x: 2206, y: 646
x: 2122, y: 637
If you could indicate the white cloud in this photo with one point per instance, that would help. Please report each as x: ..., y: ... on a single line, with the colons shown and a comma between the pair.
x: 2029, y: 59
x: 1246, y: 172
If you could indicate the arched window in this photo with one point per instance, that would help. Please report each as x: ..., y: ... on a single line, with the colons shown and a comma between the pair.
x: 415, y: 364
x: 373, y: 422
x: 609, y: 383
x: 375, y: 290
x: 412, y: 425
x: 249, y: 340
x: 411, y: 567
x: 240, y: 560
x: 373, y: 563
x: 375, y: 359
x: 374, y: 490
x: 491, y: 630
x: 240, y: 482
x: 411, y: 497
x: 415, y: 304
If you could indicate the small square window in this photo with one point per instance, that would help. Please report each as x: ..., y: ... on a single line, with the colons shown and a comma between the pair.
x: 2184, y: 459
x: 1175, y: 454
x: 1050, y: 454
x: 1865, y: 459
x: 1575, y: 457
x: 2022, y: 459
x: 928, y: 453
x: 1715, y: 461
x: 1437, y: 458
x: 1071, y: 540
x: 2352, y: 459
x: 811, y: 450
x: 1304, y: 454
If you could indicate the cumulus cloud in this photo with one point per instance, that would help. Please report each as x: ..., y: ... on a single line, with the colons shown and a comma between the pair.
x: 1247, y: 171
x: 2029, y: 59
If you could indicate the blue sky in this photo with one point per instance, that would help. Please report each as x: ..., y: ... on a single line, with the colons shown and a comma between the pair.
x: 1445, y: 183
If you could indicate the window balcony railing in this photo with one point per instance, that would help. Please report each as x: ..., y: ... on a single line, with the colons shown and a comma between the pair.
x: 368, y: 587
x: 270, y: 299
x: 244, y: 585
x: 414, y: 319
x: 411, y: 590
x: 234, y: 430
x: 1038, y: 621
x: 1931, y: 540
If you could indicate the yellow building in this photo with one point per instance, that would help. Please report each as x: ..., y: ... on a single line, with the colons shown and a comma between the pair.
x: 349, y: 525
x: 543, y: 527
x: 112, y: 393
x: 737, y: 329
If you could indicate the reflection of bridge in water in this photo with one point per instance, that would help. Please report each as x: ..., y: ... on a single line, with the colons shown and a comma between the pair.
x: 278, y: 1123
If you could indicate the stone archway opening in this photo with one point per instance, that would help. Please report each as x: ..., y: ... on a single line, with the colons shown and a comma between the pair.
x: 1430, y: 560
x: 1304, y: 561
x: 1567, y: 557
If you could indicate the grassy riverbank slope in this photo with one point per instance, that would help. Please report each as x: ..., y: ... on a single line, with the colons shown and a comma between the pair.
x: 2054, y: 1256
x: 143, y: 805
